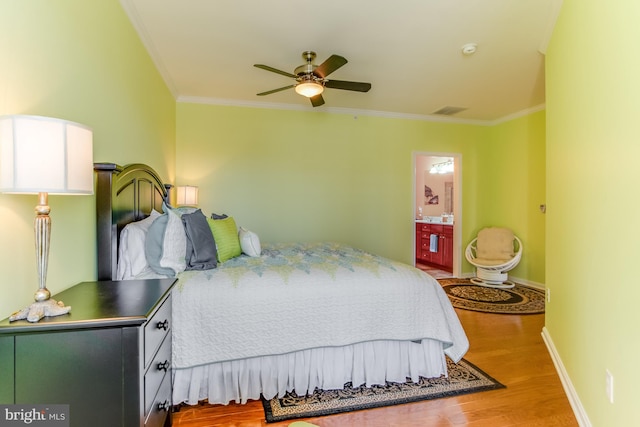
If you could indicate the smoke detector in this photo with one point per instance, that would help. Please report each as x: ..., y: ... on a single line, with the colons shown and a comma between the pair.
x: 469, y: 49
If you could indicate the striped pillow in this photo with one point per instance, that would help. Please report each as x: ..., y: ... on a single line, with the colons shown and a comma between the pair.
x: 225, y: 233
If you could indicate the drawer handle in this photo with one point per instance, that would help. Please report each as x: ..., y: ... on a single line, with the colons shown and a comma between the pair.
x: 163, y: 366
x: 164, y: 406
x: 164, y: 325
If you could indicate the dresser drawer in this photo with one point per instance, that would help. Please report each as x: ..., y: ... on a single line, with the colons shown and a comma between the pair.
x: 156, y: 329
x: 158, y: 369
x: 160, y: 366
x: 161, y: 405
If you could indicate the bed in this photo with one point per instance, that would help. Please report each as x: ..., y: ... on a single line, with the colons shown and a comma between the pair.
x: 294, y: 316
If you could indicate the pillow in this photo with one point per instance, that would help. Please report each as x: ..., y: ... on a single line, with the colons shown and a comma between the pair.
x: 131, y: 257
x: 495, y: 243
x: 201, y: 248
x: 249, y: 242
x: 216, y: 216
x: 166, y: 244
x: 225, y: 233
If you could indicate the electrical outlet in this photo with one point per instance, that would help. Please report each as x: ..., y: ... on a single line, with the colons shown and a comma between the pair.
x: 609, y: 386
x: 548, y: 295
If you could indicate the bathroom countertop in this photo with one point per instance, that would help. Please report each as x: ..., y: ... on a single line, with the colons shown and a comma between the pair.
x: 424, y: 221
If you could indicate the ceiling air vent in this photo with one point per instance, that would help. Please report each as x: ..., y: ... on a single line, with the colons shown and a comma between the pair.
x: 449, y: 111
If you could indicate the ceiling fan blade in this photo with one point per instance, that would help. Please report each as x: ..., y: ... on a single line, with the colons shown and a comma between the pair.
x: 274, y: 70
x: 329, y: 66
x: 269, y: 92
x: 341, y: 84
x: 317, y: 100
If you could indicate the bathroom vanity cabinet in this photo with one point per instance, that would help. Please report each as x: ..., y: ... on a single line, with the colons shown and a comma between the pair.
x: 441, y: 254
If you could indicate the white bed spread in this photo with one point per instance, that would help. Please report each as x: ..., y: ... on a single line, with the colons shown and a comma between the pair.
x: 328, y: 368
x: 304, y: 296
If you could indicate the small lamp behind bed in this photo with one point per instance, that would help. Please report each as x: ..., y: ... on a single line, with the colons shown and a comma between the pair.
x: 187, y: 195
x: 43, y: 155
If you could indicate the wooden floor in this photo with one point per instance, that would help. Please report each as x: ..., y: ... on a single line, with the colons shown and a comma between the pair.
x: 507, y: 347
x: 434, y: 272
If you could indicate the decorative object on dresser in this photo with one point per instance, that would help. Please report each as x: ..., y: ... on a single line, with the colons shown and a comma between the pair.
x: 43, y: 155
x: 109, y: 359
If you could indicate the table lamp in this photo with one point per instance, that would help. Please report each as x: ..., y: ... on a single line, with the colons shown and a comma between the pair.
x: 44, y: 155
x: 187, y: 195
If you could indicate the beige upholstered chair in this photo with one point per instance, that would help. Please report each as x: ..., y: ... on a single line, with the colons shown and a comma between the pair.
x: 494, y: 252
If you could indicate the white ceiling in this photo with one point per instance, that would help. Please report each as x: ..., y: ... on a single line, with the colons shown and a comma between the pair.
x: 409, y: 50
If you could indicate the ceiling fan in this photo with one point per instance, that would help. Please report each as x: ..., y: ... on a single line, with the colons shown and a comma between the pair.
x: 311, y: 79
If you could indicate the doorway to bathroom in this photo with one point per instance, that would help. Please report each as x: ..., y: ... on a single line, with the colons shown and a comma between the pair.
x: 437, y: 213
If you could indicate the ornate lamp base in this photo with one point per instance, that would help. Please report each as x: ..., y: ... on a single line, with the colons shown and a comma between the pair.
x: 40, y: 309
x: 44, y: 306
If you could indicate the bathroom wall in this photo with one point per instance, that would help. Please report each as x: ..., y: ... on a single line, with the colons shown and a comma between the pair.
x: 435, y: 182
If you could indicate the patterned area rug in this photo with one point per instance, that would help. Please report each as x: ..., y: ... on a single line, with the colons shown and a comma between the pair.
x: 464, y: 378
x: 518, y: 300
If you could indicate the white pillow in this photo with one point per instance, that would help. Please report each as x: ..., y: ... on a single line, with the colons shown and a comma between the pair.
x: 249, y: 242
x: 131, y: 257
x: 166, y: 244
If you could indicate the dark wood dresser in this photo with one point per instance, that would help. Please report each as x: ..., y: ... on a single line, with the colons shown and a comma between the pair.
x: 109, y: 359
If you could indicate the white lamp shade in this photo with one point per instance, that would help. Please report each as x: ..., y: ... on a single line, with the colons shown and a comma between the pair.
x: 45, y: 155
x: 187, y: 195
x: 309, y: 89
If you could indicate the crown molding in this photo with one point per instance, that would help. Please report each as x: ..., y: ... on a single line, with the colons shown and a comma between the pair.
x: 355, y: 112
x: 517, y: 115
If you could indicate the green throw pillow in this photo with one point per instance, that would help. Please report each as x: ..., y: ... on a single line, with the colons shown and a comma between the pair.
x: 225, y: 233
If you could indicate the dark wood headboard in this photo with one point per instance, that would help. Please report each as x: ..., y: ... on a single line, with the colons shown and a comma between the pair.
x: 123, y: 194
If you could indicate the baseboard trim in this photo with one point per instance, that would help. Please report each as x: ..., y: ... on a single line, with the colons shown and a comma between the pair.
x: 574, y: 400
x: 530, y: 283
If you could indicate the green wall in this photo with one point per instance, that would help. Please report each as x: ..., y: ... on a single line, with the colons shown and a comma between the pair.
x: 80, y: 61
x: 297, y: 175
x: 305, y: 176
x: 513, y: 171
x: 593, y: 134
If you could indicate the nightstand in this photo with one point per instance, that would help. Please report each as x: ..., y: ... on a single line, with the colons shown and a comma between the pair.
x: 109, y: 359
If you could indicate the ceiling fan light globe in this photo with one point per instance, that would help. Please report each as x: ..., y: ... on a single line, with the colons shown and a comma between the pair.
x: 309, y: 89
